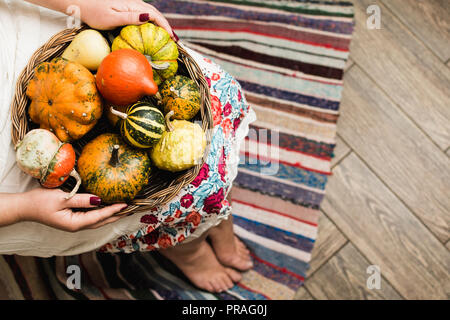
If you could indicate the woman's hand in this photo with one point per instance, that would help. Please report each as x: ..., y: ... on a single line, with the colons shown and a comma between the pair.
x: 49, y: 207
x: 108, y: 14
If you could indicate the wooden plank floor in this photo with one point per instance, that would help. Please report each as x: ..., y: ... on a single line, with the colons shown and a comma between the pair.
x: 388, y: 201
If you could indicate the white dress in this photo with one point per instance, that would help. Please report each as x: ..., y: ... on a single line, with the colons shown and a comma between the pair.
x: 23, y: 29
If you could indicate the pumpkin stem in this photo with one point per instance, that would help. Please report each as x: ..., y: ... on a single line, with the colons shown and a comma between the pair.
x: 77, y: 177
x: 114, y: 161
x: 159, y: 66
x: 173, y: 93
x: 168, y: 123
x: 118, y: 113
x: 158, y: 97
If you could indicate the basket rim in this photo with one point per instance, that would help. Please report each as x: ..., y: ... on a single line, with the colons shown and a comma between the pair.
x: 53, y: 48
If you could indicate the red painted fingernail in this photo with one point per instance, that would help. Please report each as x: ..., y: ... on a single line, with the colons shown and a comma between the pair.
x: 144, y: 17
x: 95, y: 201
x: 176, y: 37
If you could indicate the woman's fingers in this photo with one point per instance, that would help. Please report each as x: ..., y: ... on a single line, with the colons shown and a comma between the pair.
x: 104, y: 222
x: 140, y: 17
x: 158, y: 18
x: 83, y: 200
x: 143, y: 13
x: 130, y: 17
x: 83, y: 220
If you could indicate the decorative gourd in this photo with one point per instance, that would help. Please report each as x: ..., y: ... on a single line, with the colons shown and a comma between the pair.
x: 181, y: 95
x: 112, y: 170
x: 180, y: 147
x: 124, y: 77
x: 155, y: 43
x: 142, y: 125
x: 88, y: 48
x: 64, y: 99
x: 43, y: 156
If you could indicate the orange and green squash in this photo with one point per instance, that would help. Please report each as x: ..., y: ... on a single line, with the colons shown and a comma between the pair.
x: 43, y: 156
x: 155, y: 43
x: 180, y: 95
x: 112, y: 170
x: 64, y: 99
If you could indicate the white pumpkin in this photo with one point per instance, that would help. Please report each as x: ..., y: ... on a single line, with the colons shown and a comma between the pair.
x: 88, y: 48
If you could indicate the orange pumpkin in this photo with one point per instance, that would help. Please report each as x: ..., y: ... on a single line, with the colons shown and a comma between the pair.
x: 125, y: 76
x: 64, y: 99
x: 112, y: 170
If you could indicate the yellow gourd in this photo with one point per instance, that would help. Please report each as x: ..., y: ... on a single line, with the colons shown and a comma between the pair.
x: 181, y: 147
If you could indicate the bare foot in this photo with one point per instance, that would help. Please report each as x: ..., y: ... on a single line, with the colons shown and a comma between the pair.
x: 230, y: 251
x: 198, y: 262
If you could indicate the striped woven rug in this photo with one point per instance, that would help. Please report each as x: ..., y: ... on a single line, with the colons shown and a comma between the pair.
x: 289, y: 58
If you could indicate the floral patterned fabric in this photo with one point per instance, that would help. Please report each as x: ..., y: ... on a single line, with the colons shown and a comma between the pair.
x: 204, y: 199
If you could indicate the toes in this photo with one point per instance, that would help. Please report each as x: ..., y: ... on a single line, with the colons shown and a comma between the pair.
x: 239, y: 242
x: 243, y: 250
x: 209, y: 286
x: 244, y: 256
x: 240, y: 261
x: 247, y: 265
x: 219, y: 284
x: 240, y: 245
x: 228, y: 282
x: 224, y: 283
x: 236, y: 238
x: 233, y: 274
x: 245, y: 261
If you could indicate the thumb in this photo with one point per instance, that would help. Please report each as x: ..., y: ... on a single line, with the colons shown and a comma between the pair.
x: 83, y: 200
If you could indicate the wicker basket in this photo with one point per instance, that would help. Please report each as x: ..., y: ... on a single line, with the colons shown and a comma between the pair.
x: 163, y: 186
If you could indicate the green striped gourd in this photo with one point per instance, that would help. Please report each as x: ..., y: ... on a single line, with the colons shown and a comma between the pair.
x: 142, y: 125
